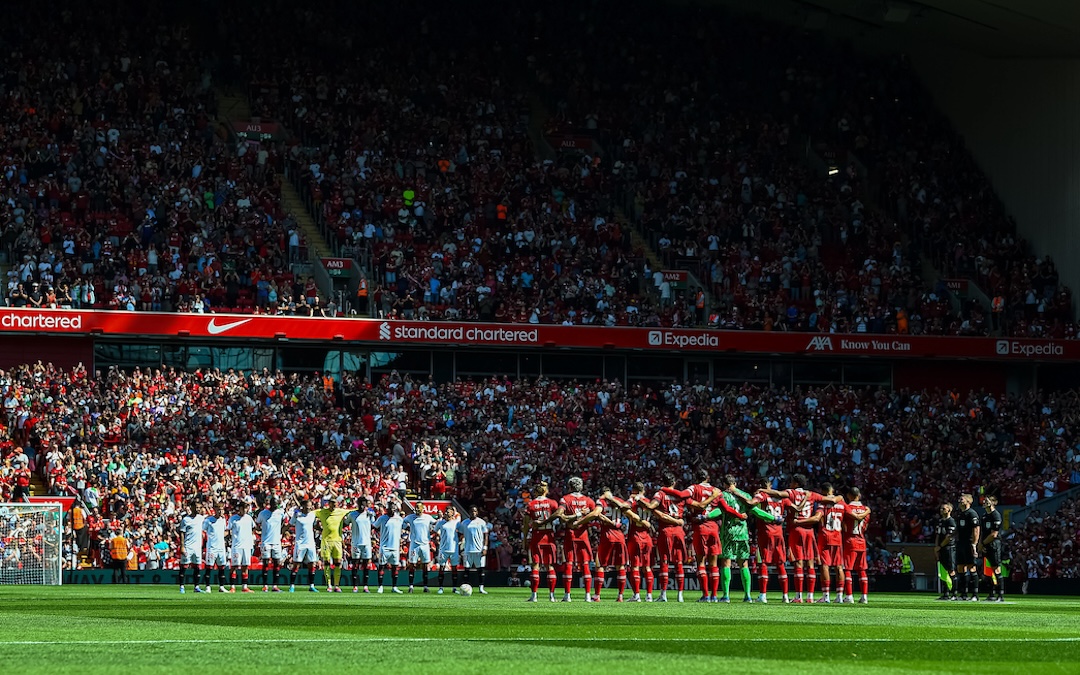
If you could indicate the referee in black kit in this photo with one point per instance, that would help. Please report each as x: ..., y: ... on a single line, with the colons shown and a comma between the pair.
x: 945, y: 547
x: 967, y: 541
x: 990, y: 546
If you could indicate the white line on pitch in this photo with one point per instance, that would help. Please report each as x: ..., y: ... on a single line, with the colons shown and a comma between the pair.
x: 495, y: 639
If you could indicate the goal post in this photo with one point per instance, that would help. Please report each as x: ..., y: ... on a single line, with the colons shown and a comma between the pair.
x: 31, y: 543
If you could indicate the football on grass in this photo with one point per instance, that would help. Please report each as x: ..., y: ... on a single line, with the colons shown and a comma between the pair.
x: 466, y: 589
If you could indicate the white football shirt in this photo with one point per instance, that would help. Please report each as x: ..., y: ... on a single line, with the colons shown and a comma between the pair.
x: 448, y: 536
x: 270, y: 524
x: 242, y: 529
x: 359, y: 523
x: 191, y: 526
x: 419, y: 529
x: 304, y: 528
x: 214, y: 526
x: 474, y: 530
x: 389, y: 532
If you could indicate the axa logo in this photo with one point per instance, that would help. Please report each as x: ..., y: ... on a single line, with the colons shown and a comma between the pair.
x: 214, y: 328
x: 384, y: 331
x: 820, y: 344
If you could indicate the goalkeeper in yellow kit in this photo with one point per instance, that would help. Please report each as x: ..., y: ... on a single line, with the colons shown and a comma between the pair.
x: 331, y: 552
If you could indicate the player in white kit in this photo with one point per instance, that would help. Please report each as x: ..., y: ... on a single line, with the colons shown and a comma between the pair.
x: 271, y: 521
x: 215, y: 526
x: 359, y: 524
x: 303, y: 521
x: 389, y: 526
x: 191, y: 535
x: 475, y: 532
x: 242, y: 532
x: 449, y: 546
x: 420, y: 525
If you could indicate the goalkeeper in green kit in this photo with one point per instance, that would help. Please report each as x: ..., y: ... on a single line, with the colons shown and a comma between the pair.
x: 735, y: 506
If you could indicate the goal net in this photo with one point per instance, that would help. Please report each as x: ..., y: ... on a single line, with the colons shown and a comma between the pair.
x: 31, y: 543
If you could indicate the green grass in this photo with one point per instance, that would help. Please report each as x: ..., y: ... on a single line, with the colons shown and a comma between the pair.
x: 153, y: 629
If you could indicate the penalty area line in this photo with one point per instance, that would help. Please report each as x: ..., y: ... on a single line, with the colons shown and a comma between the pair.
x: 360, y: 639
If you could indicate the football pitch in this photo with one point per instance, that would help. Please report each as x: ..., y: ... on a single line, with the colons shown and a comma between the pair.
x: 154, y: 629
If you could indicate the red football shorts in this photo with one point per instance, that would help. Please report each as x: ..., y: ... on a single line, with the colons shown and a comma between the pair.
x: 832, y: 555
x: 612, y: 549
x: 706, y: 540
x: 640, y: 548
x: 802, y: 544
x: 771, y: 550
x: 855, y: 561
x: 577, y: 550
x: 671, y: 545
x: 542, y: 549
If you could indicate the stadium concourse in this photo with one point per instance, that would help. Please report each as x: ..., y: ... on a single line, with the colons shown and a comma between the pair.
x: 137, y: 446
x: 427, y: 156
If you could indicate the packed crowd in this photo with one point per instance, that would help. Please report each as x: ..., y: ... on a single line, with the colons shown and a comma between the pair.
x: 134, y: 444
x: 421, y: 157
x: 120, y: 190
x: 1045, y: 545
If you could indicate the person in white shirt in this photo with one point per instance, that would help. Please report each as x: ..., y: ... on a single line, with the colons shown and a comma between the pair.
x: 215, y: 526
x: 449, y: 546
x: 242, y: 531
x: 191, y: 536
x: 420, y: 524
x: 303, y: 521
x: 475, y: 535
x: 359, y: 524
x: 271, y: 520
x: 389, y: 526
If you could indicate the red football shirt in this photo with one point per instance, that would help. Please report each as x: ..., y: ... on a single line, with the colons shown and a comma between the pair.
x: 802, y: 503
x: 832, y: 523
x: 671, y: 505
x: 855, y: 530
x: 612, y: 511
x: 577, y: 505
x: 540, y: 509
x: 776, y: 508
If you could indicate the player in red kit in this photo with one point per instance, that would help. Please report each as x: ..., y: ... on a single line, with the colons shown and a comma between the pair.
x: 539, y: 532
x: 705, y: 535
x: 577, y: 510
x: 611, y: 548
x: 856, y: 520
x: 771, y: 549
x: 802, y: 543
x: 830, y: 544
x: 668, y: 505
x: 640, y: 545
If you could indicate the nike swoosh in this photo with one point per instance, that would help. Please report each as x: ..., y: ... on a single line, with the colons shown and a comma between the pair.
x: 215, y: 329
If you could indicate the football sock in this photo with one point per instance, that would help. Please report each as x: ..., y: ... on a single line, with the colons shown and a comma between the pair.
x: 811, y: 579
x: 244, y: 576
x: 663, y: 576
x: 864, y: 583
x: 680, y: 576
x: 600, y: 573
x: 483, y: 574
x: 535, y: 579
x: 180, y: 574
x: 725, y: 580
x: 649, y: 580
x: 277, y: 573
x: 453, y: 577
x: 961, y: 583
x: 622, y: 581
x: 393, y: 575
x: 337, y: 575
x: 974, y: 584
x: 635, y: 580
x: 221, y: 576
x: 703, y: 580
x: 311, y: 574
x: 783, y: 580
x: 826, y: 582
x: 714, y: 580
x: 442, y: 578
x: 746, y: 581
x: 568, y: 577
x: 799, y: 578
x: 232, y: 576
x: 763, y: 579
x: 588, y: 579
x: 847, y: 585
x: 552, y: 580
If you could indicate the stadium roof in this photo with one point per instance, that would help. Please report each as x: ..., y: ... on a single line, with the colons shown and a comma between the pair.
x: 990, y: 28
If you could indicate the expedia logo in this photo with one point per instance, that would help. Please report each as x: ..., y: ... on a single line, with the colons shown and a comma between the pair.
x: 1017, y: 348
x: 667, y: 338
x: 384, y: 331
x: 820, y: 344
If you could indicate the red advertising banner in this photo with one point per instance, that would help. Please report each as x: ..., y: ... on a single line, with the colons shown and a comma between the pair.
x: 433, y: 507
x: 65, y: 502
x: 959, y: 286
x: 389, y: 335
x: 258, y: 131
x: 570, y: 142
x: 337, y: 267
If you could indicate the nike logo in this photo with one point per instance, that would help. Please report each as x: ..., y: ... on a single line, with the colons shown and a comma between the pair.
x: 214, y: 329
